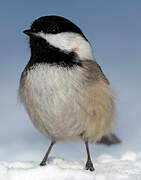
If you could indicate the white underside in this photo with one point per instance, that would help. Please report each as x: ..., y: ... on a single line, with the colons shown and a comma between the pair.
x: 51, y: 101
x: 52, y: 98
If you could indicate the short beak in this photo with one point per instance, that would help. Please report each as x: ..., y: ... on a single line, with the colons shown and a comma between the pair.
x: 29, y: 32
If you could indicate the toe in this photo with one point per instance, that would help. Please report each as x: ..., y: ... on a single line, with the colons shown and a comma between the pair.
x: 42, y: 163
x: 89, y: 166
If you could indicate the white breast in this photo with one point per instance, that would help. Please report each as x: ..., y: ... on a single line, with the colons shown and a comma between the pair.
x: 50, y: 97
x: 64, y: 105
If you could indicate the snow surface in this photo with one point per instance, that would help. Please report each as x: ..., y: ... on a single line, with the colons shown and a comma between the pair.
x: 127, y: 166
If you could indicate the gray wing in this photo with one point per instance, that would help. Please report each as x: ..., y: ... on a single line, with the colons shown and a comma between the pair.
x: 96, y: 74
x: 95, y: 71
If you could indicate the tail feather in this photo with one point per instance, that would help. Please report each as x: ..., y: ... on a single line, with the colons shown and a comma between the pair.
x: 110, y: 139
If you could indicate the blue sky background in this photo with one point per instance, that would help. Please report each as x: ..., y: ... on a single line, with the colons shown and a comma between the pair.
x: 114, y: 30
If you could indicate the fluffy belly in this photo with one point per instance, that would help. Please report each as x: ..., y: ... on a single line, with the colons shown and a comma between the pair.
x: 58, y: 121
x: 62, y: 108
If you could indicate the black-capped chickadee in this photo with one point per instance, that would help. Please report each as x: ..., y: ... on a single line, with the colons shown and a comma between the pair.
x: 63, y: 89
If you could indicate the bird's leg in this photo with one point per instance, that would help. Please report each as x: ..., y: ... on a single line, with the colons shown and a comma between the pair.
x: 89, y: 164
x: 43, y: 163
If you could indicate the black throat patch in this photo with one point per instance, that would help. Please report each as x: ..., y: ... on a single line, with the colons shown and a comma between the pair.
x: 43, y: 52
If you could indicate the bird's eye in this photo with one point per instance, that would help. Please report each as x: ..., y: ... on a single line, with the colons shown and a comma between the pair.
x: 34, y: 29
x: 54, y: 30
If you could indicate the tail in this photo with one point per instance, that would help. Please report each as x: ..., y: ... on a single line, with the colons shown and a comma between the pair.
x: 109, y: 139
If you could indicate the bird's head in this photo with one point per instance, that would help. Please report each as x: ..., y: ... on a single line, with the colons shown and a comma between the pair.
x: 58, y: 32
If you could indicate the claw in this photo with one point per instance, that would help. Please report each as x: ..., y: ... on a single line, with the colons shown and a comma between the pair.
x: 42, y: 164
x: 89, y: 166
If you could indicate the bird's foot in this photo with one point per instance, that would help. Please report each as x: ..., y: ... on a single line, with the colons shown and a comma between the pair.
x: 43, y: 163
x: 89, y: 166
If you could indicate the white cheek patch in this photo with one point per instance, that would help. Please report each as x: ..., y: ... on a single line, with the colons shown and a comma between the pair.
x: 70, y: 42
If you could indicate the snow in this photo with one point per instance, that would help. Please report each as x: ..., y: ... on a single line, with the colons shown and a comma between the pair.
x: 128, y: 166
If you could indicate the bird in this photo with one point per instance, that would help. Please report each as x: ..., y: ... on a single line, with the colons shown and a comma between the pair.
x: 63, y: 88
